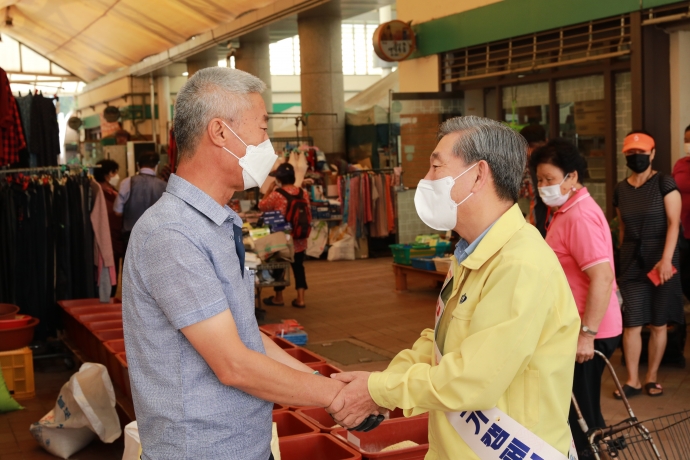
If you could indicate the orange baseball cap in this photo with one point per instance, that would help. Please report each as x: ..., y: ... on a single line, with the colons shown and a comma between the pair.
x: 638, y: 141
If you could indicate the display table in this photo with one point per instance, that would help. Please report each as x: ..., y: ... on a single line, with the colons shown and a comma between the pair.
x: 401, y: 272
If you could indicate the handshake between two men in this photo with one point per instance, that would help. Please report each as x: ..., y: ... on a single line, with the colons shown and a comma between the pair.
x: 353, y: 408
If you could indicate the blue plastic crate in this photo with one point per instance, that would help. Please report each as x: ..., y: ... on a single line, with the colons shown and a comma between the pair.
x: 423, y: 263
x: 442, y: 247
x: 299, y: 338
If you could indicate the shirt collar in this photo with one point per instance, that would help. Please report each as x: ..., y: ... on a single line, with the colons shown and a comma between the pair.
x: 573, y: 200
x: 200, y: 201
x: 496, y: 237
x: 464, y: 249
x: 147, y: 171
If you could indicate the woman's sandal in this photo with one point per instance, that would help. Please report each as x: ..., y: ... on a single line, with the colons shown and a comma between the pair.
x: 653, y: 386
x: 628, y: 391
x: 296, y: 305
x: 269, y: 301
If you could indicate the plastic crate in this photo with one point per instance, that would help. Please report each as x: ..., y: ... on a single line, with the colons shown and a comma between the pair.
x: 305, y: 356
x: 442, y: 264
x: 318, y: 417
x: 423, y: 263
x: 93, y: 318
x: 403, y: 253
x: 316, y: 447
x: 122, y: 359
x: 67, y: 304
x: 282, y: 343
x: 388, y: 433
x: 298, y: 339
x: 96, y: 309
x: 279, y: 407
x: 442, y: 247
x: 113, y: 347
x: 291, y: 424
x: 18, y: 372
x: 324, y: 368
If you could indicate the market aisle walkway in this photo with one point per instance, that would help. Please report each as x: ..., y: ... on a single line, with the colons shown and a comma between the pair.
x: 346, y: 300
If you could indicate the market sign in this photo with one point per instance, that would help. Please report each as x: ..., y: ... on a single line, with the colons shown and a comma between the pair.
x: 394, y: 41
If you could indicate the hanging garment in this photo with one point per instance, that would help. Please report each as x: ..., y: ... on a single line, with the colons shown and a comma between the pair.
x: 390, y: 216
x: 11, y: 133
x: 103, y: 246
x: 45, y: 132
x: 381, y: 219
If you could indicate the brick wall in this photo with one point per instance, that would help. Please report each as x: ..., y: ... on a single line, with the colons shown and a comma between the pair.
x: 409, y: 223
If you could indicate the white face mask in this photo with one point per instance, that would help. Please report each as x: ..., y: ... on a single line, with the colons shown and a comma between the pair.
x: 114, y: 180
x: 551, y: 195
x: 687, y: 149
x: 256, y: 162
x: 434, y: 204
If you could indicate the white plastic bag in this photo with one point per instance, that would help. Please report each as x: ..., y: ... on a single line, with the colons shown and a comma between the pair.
x: 84, y: 409
x: 275, y: 444
x: 343, y: 249
x: 132, y: 442
x: 317, y: 239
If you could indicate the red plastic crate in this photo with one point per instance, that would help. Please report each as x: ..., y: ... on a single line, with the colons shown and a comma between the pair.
x: 316, y: 447
x: 324, y: 368
x: 284, y: 344
x: 392, y: 432
x: 85, y: 302
x: 96, y: 309
x: 107, y: 335
x: 122, y: 358
x: 279, y: 408
x: 305, y: 356
x: 287, y: 326
x: 93, y: 349
x: 97, y: 317
x: 291, y: 424
x: 112, y: 348
x: 103, y: 325
x: 318, y: 417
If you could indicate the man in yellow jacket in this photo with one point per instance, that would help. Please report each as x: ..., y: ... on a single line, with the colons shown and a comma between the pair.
x: 496, y: 372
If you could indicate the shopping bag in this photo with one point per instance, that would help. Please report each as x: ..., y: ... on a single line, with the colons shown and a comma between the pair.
x: 275, y: 444
x: 132, y: 442
x: 279, y: 244
x: 317, y: 239
x: 343, y: 249
x: 84, y: 409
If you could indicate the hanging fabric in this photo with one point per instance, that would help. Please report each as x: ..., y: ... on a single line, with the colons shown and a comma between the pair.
x: 12, y: 139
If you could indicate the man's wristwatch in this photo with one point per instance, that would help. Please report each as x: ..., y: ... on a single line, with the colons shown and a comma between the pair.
x: 588, y: 331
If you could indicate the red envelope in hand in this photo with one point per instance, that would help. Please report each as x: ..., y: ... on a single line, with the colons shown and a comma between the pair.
x: 654, y: 276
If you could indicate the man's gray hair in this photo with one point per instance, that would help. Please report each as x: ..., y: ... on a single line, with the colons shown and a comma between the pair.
x: 214, y: 92
x: 502, y: 148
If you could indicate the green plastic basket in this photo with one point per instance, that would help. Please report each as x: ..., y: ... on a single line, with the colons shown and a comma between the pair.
x: 402, y: 253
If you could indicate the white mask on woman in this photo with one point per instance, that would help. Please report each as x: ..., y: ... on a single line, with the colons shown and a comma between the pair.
x: 256, y: 162
x: 551, y: 195
x: 114, y: 180
x: 434, y: 204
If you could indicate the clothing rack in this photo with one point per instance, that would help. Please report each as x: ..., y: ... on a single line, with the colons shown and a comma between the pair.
x: 62, y: 168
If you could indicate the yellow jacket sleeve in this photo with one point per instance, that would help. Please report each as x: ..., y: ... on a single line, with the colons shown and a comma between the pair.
x: 503, y: 331
x: 420, y: 353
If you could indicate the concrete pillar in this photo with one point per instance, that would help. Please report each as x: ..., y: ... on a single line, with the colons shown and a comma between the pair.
x: 680, y: 90
x: 253, y: 57
x: 163, y: 100
x: 321, y: 60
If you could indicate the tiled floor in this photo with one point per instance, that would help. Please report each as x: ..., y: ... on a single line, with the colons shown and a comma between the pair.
x: 346, y: 300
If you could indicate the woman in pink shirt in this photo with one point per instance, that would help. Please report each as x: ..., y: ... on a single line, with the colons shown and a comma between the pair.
x: 581, y: 238
x: 681, y: 174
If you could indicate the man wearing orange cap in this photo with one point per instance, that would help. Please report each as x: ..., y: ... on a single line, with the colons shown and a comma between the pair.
x: 648, y: 207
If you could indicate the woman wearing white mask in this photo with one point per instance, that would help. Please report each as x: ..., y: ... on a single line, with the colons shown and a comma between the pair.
x: 681, y: 174
x: 580, y: 236
x: 108, y: 178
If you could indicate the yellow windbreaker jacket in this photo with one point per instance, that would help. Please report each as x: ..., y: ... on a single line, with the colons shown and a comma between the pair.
x: 511, y: 343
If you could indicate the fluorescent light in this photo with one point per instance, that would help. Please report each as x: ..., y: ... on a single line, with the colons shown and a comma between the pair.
x: 185, y: 74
